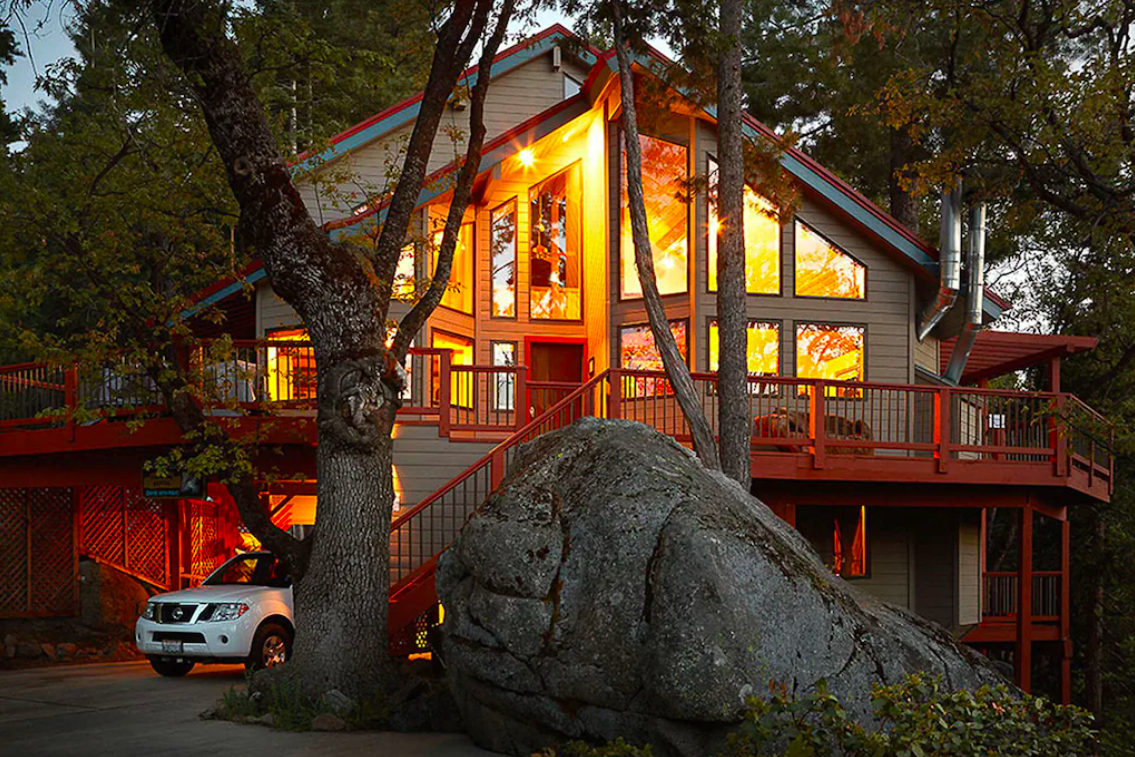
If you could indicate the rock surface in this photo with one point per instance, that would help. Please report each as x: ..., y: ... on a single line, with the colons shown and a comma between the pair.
x: 614, y: 587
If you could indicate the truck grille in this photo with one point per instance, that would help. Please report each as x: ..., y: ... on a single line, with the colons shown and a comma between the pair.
x: 170, y: 612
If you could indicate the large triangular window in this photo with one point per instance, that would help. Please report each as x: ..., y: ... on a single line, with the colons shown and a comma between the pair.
x: 825, y: 270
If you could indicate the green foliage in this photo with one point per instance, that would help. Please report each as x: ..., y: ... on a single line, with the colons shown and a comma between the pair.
x: 293, y: 709
x: 915, y: 718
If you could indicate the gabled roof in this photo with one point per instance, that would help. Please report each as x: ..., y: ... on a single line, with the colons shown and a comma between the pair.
x: 856, y: 207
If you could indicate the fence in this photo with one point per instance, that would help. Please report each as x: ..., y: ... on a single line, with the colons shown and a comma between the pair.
x: 120, y: 527
x: 38, y: 559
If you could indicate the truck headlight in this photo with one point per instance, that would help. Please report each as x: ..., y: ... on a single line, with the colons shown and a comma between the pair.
x: 228, y: 611
x: 150, y: 612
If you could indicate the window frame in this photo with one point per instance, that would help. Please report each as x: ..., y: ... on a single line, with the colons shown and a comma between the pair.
x: 473, y: 255
x: 497, y: 378
x: 710, y: 157
x: 778, y: 322
x: 796, y: 324
x: 514, y: 200
x: 619, y: 150
x: 528, y: 246
x: 866, y: 269
x: 640, y: 391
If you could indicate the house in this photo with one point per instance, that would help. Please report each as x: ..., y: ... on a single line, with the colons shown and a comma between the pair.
x: 912, y: 478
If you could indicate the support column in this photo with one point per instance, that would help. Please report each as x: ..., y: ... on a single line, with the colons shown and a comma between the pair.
x: 1065, y: 616
x: 1023, y: 657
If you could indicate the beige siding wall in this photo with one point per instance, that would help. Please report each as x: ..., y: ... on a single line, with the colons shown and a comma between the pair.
x: 271, y: 312
x: 888, y: 555
x: 926, y: 354
x: 424, y: 462
x: 969, y: 567
x: 512, y: 98
x: 935, y: 552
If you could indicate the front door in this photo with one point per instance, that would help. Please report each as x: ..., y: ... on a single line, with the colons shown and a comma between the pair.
x: 555, y: 369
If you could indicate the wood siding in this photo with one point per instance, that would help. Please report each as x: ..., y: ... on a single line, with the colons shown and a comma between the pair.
x: 969, y: 567
x: 926, y: 354
x: 425, y: 462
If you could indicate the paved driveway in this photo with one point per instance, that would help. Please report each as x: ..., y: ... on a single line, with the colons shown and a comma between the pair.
x: 125, y: 709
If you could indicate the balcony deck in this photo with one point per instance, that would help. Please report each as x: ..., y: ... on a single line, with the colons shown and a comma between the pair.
x: 893, y: 433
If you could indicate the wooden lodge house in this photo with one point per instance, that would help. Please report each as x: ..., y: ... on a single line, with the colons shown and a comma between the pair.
x: 875, y: 432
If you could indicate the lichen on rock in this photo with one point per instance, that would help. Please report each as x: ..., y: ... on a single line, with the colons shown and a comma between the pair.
x: 612, y: 586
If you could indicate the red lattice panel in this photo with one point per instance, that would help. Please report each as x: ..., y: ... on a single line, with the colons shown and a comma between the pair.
x: 53, y: 558
x: 13, y: 552
x: 102, y: 524
x: 146, y: 551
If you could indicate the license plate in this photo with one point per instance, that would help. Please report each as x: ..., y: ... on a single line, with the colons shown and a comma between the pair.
x: 171, y: 647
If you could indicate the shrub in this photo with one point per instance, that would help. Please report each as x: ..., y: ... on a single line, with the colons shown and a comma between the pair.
x: 915, y: 718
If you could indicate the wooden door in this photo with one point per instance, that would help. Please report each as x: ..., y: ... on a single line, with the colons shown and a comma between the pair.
x: 555, y: 369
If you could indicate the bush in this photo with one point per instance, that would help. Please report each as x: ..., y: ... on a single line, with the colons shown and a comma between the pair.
x: 916, y: 718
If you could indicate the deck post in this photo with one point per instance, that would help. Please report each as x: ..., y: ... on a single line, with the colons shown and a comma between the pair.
x: 942, y: 411
x: 443, y: 391
x: 1058, y: 431
x: 1065, y: 615
x: 70, y: 393
x: 523, y: 404
x: 1022, y: 659
x: 818, y: 425
x: 614, y: 404
x: 496, y: 469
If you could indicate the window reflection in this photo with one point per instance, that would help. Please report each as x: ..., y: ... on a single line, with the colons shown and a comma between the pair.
x: 834, y: 353
x: 459, y: 293
x: 824, y: 270
x: 763, y: 340
x: 664, y: 186
x: 638, y: 352
x: 460, y: 383
x: 504, y: 354
x: 553, y: 272
x: 403, y: 288
x: 762, y: 240
x: 502, y: 251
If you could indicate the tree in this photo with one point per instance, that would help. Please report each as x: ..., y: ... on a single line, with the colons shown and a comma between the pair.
x: 8, y: 52
x: 343, y: 294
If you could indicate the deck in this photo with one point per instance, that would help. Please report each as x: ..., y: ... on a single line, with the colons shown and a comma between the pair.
x: 803, y: 429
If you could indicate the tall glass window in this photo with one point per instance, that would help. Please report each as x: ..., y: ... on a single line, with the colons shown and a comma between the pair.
x: 762, y: 240
x: 459, y: 293
x: 834, y: 353
x: 461, y: 386
x: 664, y: 173
x: 502, y: 252
x: 554, y: 284
x: 403, y: 288
x: 504, y: 396
x: 824, y: 270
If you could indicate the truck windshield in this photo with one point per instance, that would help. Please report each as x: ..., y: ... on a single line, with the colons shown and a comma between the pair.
x: 252, y: 570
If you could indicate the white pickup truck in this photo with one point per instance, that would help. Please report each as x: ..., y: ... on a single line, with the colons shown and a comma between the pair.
x: 241, y: 613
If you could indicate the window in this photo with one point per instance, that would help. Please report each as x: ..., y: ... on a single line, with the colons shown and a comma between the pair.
x: 459, y: 294
x: 824, y: 270
x: 502, y: 252
x: 408, y: 363
x: 404, y: 274
x: 460, y: 383
x: 553, y: 268
x: 763, y: 348
x: 762, y: 240
x: 291, y: 372
x: 572, y: 86
x: 664, y: 187
x: 833, y: 353
x: 504, y: 395
x: 638, y: 352
x: 839, y: 535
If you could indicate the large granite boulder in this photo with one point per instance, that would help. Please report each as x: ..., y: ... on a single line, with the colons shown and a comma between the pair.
x: 614, y: 587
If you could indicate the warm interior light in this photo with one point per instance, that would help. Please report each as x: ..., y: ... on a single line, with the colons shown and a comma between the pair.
x: 526, y: 157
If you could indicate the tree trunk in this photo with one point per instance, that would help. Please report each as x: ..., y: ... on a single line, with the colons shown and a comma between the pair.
x: 734, y: 424
x: 1093, y: 645
x: 903, y: 205
x: 673, y: 361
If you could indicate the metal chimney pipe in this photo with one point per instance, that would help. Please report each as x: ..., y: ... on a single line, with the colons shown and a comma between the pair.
x: 975, y: 286
x: 949, y: 263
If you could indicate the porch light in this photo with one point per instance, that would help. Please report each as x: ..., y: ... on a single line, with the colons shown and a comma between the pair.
x: 526, y: 157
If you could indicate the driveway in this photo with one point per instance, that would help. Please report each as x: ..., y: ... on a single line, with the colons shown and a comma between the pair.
x: 125, y: 709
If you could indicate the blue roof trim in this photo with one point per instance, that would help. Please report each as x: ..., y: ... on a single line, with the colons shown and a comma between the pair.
x: 409, y: 113
x: 223, y: 292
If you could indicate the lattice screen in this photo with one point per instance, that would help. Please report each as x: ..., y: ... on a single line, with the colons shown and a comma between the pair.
x: 207, y: 550
x: 38, y: 562
x: 124, y: 529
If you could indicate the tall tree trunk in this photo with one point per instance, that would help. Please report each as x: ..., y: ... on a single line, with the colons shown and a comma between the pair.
x: 734, y: 424
x: 343, y: 296
x: 903, y: 205
x: 673, y: 361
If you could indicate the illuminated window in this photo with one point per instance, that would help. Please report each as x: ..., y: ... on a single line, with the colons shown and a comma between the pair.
x: 290, y: 373
x: 849, y: 543
x: 763, y: 348
x: 459, y: 294
x: 407, y: 363
x: 553, y: 268
x: 502, y: 251
x: 833, y: 353
x: 404, y: 274
x: 638, y: 352
x: 824, y: 270
x: 762, y: 240
x: 460, y: 383
x: 504, y: 354
x: 664, y: 186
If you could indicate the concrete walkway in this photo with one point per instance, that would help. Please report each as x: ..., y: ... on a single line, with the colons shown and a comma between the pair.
x: 126, y: 709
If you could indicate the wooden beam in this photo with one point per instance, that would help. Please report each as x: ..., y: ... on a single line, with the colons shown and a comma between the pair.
x: 1054, y: 374
x: 1022, y: 659
x: 1065, y: 613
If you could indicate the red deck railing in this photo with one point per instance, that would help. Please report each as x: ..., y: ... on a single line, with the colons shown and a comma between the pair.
x: 1001, y: 591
